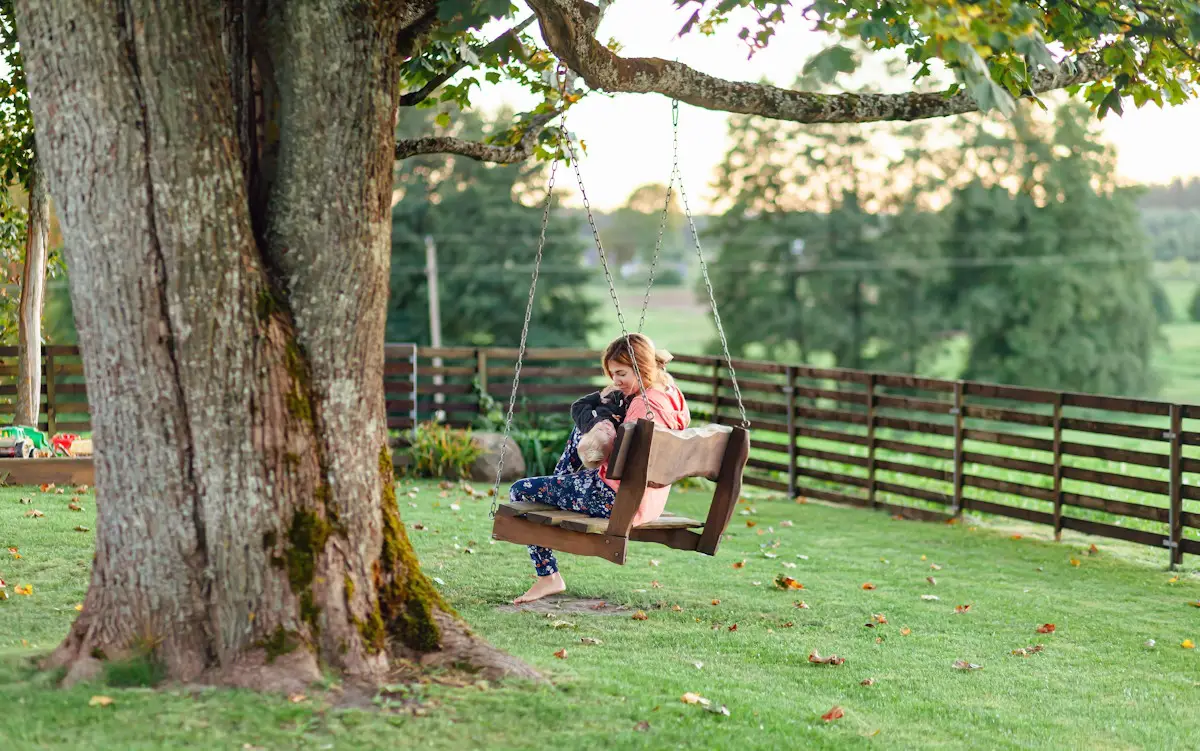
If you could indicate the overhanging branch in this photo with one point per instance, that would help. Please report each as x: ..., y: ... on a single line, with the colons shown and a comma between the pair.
x: 568, y: 26
x: 415, y: 97
x: 476, y: 150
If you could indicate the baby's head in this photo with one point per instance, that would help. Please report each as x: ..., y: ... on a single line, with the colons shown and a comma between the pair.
x: 620, y: 356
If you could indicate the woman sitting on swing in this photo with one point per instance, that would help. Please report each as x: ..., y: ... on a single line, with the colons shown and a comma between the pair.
x: 590, y: 491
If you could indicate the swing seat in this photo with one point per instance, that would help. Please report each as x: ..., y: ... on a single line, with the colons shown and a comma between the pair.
x: 643, y: 456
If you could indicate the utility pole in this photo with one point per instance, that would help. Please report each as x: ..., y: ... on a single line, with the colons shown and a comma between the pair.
x: 435, y: 319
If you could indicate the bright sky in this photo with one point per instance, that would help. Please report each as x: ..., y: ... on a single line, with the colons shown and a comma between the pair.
x: 628, y: 136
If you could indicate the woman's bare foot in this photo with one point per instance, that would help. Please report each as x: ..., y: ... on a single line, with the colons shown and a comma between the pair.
x: 543, y: 587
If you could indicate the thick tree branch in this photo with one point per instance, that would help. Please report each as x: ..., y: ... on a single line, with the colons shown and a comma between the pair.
x: 494, y: 46
x: 568, y: 27
x: 476, y: 150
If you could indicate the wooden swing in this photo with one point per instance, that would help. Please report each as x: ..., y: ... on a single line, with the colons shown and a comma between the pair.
x: 644, y: 455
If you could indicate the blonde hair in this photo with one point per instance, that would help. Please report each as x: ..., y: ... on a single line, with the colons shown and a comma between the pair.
x: 651, y: 362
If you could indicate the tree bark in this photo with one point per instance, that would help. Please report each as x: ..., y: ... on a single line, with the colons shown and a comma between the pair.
x: 225, y: 188
x: 33, y: 301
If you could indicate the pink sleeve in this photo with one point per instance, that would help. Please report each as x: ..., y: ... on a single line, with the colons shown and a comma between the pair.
x: 636, y: 410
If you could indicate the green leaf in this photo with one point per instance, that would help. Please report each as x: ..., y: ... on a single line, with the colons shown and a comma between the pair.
x: 829, y: 62
x: 443, y: 119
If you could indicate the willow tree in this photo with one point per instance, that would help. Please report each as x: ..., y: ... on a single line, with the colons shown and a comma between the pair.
x: 224, y: 171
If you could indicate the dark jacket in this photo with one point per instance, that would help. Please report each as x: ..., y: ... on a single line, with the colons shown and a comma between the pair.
x: 593, y: 408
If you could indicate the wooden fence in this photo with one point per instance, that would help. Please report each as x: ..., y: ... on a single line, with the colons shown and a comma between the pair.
x: 1107, y: 466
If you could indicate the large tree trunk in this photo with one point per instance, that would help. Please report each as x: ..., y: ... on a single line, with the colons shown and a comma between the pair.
x: 33, y: 300
x: 225, y: 177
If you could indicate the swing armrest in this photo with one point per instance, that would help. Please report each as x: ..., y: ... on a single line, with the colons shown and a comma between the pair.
x: 633, y: 454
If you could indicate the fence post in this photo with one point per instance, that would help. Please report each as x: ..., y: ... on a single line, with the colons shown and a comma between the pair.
x: 481, y: 372
x: 1058, y: 465
x: 790, y: 390
x: 51, y: 407
x: 871, y: 439
x: 413, y: 413
x: 957, y: 411
x: 1175, y: 514
x: 716, y: 395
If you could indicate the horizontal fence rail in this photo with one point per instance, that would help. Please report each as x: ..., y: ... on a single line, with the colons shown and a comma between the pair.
x: 1107, y: 466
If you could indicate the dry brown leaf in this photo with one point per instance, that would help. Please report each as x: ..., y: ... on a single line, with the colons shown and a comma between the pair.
x: 733, y: 627
x: 46, y: 487
x: 640, y: 616
x: 82, y: 528
x: 1075, y: 561
x: 905, y: 631
x: 716, y: 602
x: 868, y: 585
x: 34, y: 513
x: 1015, y: 537
x: 751, y: 523
x: 815, y: 658
x: 964, y: 665
x: 739, y: 564
x: 600, y: 605
x: 561, y: 654
x: 1092, y: 549
x: 785, y: 523
x: 935, y: 567
x: 81, y: 489
x: 23, y: 589
x: 787, y: 582
x: 1046, y: 628
x: 960, y: 609
x: 13, y: 552
x: 655, y: 585
x: 788, y: 624
x: 930, y: 597
x: 879, y: 618
x: 297, y: 698
x: 74, y: 506
x: 676, y: 608
x: 802, y: 605
x: 590, y: 641
x: 694, y: 698
x: 1027, y: 651
x: 867, y: 682
x: 642, y: 726
x: 100, y: 701
x: 931, y: 580
x: 836, y: 713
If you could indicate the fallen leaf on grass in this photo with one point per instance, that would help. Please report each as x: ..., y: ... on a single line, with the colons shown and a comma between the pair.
x: 788, y: 624
x: 561, y: 654
x: 788, y: 564
x: 694, y: 698
x: 836, y: 713
x: 1195, y: 604
x: 721, y: 710
x: 600, y: 605
x: 868, y: 585
x: 935, y: 567
x: 653, y: 562
x: 960, y: 609
x: 1027, y: 651
x: 698, y: 665
x: 590, y: 641
x: 716, y: 602
x: 23, y: 589
x: 964, y: 665
x: 867, y: 682
x: 46, y: 487
x: 815, y: 658
x: 931, y: 580
x: 1014, y: 537
x: 770, y: 555
x: 642, y: 726
x: 34, y: 513
x: 655, y: 585
x: 297, y: 698
x: 3, y: 595
x: 1093, y: 550
x: 1149, y: 644
x: 756, y: 583
x: 25, y: 501
x: 81, y: 489
x: 733, y: 627
x: 75, y: 507
x: 751, y: 523
x: 82, y: 528
x: 1173, y: 580
x: 100, y: 701
x: 562, y: 624
x: 787, y: 582
x: 905, y: 631
x: 640, y: 616
x: 1046, y: 628
x: 418, y: 525
x: 13, y: 552
x: 676, y: 608
x: 1075, y: 561
x: 879, y: 618
x: 930, y: 597
x: 455, y: 507
x: 802, y: 604
x: 785, y: 523
x: 1187, y: 643
x: 740, y: 564
x: 79, y: 607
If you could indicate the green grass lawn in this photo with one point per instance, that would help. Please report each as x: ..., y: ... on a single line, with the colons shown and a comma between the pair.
x: 1094, y: 685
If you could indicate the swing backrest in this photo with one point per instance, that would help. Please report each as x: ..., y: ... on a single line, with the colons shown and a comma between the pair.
x: 675, y: 454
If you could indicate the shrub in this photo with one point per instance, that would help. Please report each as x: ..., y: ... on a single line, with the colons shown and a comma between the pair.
x: 1195, y: 306
x: 440, y: 451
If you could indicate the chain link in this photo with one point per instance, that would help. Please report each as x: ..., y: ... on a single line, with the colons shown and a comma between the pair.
x: 612, y: 289
x: 737, y: 392
x: 666, y: 211
x: 537, y: 265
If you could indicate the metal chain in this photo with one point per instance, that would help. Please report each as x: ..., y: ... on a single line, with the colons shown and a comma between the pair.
x: 737, y: 392
x: 612, y: 289
x: 537, y: 265
x: 662, y: 227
